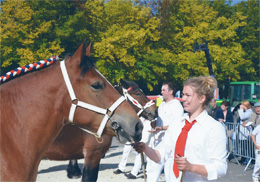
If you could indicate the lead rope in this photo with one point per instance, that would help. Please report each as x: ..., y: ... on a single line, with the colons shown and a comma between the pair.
x: 115, y: 126
x: 143, y: 166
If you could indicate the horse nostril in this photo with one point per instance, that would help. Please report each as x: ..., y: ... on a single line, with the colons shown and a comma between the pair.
x: 138, y: 131
x: 139, y: 127
x: 156, y: 112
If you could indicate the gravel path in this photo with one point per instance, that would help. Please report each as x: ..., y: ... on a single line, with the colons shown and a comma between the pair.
x: 55, y: 171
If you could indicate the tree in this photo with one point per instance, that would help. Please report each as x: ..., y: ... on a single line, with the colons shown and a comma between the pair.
x: 249, y: 36
x: 189, y: 22
x: 126, y: 33
x: 144, y: 41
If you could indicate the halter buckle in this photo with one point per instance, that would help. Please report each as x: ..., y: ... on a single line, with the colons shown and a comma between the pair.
x: 109, y: 113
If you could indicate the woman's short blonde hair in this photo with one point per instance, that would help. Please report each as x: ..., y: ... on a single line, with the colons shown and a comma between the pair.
x: 203, y: 85
x: 247, y: 104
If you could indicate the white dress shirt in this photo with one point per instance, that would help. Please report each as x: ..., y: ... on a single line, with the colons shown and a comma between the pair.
x: 205, y: 145
x: 167, y: 112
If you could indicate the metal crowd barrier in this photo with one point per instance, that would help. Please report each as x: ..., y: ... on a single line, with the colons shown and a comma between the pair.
x: 239, y: 142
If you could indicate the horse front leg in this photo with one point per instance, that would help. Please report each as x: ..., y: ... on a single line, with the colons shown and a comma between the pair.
x: 73, y: 170
x: 91, y: 168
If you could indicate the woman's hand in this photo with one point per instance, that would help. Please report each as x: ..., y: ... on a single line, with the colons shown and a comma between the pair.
x: 221, y: 120
x: 243, y: 107
x: 183, y: 163
x: 139, y: 146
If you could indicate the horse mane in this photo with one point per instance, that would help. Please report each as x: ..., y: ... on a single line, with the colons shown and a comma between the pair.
x: 27, y: 68
x: 86, y: 64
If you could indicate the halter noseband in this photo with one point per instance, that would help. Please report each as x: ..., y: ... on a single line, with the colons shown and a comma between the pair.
x: 107, y: 112
x: 135, y: 102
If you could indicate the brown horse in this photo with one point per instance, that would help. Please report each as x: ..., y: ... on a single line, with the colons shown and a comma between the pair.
x: 35, y: 107
x: 73, y: 143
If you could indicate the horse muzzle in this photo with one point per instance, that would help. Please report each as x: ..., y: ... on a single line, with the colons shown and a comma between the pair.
x: 123, y: 136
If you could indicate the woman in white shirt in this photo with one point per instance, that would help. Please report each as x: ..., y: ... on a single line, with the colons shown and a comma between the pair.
x: 244, y: 112
x: 205, y: 150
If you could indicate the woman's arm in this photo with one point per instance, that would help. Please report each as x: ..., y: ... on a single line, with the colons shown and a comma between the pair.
x: 151, y: 153
x: 244, y: 114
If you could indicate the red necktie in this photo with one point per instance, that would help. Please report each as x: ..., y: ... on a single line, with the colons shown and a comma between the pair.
x: 180, y: 144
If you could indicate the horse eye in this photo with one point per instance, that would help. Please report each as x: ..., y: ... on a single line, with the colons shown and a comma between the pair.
x: 96, y: 86
x: 138, y: 93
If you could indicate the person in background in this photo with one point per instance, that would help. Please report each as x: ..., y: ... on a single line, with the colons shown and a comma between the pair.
x: 255, y: 117
x: 212, y: 108
x: 203, y: 157
x: 245, y: 111
x: 223, y: 114
x: 138, y: 160
x: 255, y: 136
x: 168, y: 110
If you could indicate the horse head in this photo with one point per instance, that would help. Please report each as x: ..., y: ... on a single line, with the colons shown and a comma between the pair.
x: 95, y: 99
x: 136, y: 97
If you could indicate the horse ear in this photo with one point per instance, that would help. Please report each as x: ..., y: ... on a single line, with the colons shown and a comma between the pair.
x: 88, y: 49
x: 82, y: 51
x: 124, y: 83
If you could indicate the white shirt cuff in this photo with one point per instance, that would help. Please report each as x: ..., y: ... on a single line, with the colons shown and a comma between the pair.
x: 212, y: 172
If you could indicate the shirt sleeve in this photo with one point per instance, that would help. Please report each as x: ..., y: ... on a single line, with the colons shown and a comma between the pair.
x: 256, y: 130
x: 244, y: 115
x: 217, y: 167
x: 167, y: 145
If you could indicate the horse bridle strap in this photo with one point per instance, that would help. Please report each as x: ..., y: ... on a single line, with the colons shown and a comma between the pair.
x: 135, y: 102
x: 107, y: 112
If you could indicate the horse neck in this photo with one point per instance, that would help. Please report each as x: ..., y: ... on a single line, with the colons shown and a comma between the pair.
x: 37, y: 102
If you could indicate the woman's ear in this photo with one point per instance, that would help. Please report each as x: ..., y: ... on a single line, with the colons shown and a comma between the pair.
x: 202, y: 99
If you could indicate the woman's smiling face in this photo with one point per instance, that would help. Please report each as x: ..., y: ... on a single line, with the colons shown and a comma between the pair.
x: 191, y: 101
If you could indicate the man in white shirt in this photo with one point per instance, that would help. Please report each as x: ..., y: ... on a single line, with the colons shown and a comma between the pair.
x: 255, y: 136
x: 170, y: 109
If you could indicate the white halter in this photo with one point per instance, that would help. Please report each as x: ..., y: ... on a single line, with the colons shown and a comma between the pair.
x: 107, y: 112
x: 135, y: 102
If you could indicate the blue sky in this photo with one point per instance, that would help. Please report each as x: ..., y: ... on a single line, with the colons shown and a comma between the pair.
x: 236, y: 1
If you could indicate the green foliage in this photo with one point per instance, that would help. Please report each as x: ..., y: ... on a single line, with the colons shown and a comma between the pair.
x: 249, y: 37
x: 30, y: 30
x: 144, y: 41
x: 127, y: 33
x: 197, y: 21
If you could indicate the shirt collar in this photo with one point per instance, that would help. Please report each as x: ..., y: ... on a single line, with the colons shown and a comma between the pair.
x: 200, y: 118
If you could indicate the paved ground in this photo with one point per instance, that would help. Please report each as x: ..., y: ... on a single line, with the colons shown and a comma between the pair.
x: 55, y: 171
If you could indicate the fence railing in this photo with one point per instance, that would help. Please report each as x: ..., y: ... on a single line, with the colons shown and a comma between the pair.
x: 239, y: 142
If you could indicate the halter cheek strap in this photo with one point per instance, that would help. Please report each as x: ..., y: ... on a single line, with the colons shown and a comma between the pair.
x: 107, y: 112
x: 135, y: 102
